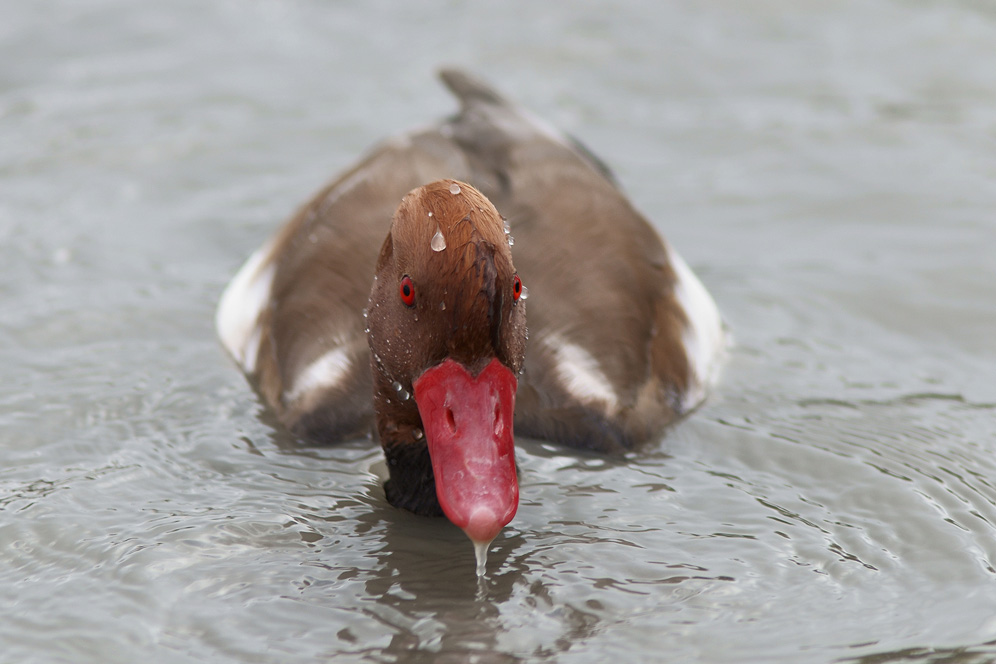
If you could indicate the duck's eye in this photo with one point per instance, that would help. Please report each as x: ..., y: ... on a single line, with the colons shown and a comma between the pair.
x: 516, y: 288
x: 407, y: 291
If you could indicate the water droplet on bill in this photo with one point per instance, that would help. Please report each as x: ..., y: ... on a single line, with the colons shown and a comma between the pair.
x: 481, y: 553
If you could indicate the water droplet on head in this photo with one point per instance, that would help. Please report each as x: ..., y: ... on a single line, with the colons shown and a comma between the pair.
x: 524, y: 295
x: 508, y: 226
x: 511, y: 241
x: 417, y: 434
x: 430, y: 213
x: 442, y: 306
x: 454, y: 188
x: 404, y: 395
x: 438, y: 241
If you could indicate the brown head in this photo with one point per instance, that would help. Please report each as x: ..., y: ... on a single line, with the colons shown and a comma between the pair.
x: 447, y: 336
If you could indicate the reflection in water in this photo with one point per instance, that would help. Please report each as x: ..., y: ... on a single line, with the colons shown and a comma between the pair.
x: 438, y: 608
x: 984, y: 653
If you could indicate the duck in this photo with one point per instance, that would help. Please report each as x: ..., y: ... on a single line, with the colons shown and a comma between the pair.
x: 394, y: 302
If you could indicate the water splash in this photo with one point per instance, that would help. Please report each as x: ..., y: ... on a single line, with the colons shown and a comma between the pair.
x: 454, y: 188
x: 438, y: 241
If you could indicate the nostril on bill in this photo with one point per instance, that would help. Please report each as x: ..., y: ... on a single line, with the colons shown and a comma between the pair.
x: 499, y: 426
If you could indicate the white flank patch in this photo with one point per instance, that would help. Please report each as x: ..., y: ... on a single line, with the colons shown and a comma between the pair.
x: 245, y: 297
x: 703, y: 339
x: 327, y: 371
x: 579, y: 373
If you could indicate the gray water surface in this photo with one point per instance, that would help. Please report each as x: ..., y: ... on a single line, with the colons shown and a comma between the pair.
x: 828, y: 169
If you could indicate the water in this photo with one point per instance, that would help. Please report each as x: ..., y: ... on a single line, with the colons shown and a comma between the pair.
x: 829, y: 169
x: 481, y: 560
x: 438, y: 242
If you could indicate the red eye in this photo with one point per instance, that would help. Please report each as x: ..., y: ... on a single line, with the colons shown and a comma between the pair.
x: 407, y: 291
x: 516, y: 288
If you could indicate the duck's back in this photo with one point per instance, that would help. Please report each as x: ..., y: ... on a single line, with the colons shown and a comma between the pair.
x: 622, y: 336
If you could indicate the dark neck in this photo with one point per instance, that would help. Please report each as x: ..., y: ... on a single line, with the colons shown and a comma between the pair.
x: 412, y: 485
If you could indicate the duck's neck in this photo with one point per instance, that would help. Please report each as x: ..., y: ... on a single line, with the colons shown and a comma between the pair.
x: 412, y: 485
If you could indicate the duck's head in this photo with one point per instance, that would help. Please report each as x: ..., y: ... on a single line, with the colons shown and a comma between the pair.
x: 447, y: 334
